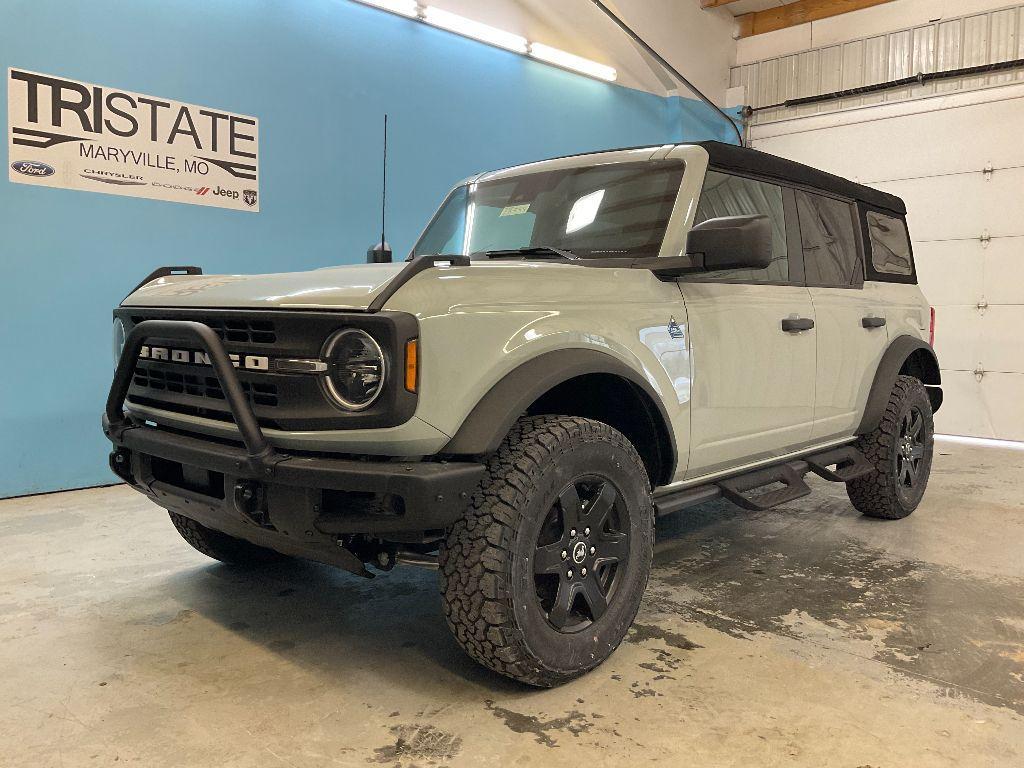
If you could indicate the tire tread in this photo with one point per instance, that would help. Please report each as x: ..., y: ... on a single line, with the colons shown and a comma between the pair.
x: 476, y: 557
x: 874, y: 494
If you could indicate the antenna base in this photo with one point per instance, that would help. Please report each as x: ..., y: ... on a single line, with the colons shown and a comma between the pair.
x: 379, y: 253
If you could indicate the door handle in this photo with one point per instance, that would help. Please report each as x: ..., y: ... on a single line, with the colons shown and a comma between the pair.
x: 872, y: 322
x: 797, y: 324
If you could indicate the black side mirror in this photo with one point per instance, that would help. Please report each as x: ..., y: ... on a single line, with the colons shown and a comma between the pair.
x: 378, y: 253
x: 731, y: 242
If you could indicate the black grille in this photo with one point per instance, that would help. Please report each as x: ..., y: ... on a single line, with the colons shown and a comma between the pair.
x: 199, y: 385
x: 279, y: 400
x: 238, y: 330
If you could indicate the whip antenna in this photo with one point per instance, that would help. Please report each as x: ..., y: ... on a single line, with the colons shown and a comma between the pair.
x: 381, y: 252
x: 384, y: 191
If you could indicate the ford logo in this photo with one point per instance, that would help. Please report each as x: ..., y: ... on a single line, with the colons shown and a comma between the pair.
x: 32, y: 168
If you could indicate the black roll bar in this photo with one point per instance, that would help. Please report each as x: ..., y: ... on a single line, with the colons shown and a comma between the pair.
x: 261, y: 453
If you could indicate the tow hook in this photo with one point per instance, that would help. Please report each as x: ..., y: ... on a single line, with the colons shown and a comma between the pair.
x: 121, y: 465
x: 247, y: 500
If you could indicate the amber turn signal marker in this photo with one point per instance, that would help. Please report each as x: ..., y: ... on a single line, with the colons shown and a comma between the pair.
x: 411, y: 358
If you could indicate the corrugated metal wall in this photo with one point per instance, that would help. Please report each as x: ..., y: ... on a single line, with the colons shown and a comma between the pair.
x: 966, y: 41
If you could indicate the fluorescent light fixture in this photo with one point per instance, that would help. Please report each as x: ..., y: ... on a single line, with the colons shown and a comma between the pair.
x: 478, y: 31
x: 987, y: 442
x: 408, y: 8
x: 573, y: 62
x: 584, y: 211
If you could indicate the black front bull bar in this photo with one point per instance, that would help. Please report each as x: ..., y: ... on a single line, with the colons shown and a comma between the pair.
x: 260, y: 480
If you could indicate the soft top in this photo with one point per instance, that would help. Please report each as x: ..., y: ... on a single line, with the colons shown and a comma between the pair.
x: 733, y: 158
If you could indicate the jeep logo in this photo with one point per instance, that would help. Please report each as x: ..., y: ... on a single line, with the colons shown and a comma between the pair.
x: 192, y: 357
x: 32, y: 168
x: 221, y: 192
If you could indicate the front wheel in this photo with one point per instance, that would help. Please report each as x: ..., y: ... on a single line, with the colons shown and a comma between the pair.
x: 222, y: 547
x: 544, y: 574
x: 900, y: 449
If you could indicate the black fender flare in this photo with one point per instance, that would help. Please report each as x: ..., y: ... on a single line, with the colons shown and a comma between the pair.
x: 889, y: 368
x: 493, y: 416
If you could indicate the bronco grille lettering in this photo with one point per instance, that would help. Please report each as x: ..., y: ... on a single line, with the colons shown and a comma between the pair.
x: 193, y: 357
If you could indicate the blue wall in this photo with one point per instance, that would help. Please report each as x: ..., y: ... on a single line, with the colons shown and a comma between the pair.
x: 319, y: 74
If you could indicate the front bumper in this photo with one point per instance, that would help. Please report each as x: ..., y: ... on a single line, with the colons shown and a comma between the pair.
x: 297, y: 504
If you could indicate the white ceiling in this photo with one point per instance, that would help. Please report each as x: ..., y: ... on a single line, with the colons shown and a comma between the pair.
x: 698, y: 42
x: 749, y: 6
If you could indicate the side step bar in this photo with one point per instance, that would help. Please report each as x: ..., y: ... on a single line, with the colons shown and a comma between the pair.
x: 838, y: 465
x: 791, y: 476
x: 849, y: 464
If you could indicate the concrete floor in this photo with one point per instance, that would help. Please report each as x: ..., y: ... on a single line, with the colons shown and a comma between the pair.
x: 805, y: 636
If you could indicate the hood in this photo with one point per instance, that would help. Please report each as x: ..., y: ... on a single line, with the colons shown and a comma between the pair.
x: 349, y: 287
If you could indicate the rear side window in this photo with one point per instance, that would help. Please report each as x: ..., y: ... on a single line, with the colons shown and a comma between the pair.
x: 890, y: 244
x: 829, y: 241
x: 726, y: 195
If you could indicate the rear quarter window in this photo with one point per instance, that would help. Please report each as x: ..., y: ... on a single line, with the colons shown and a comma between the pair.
x: 829, y: 239
x: 890, y: 245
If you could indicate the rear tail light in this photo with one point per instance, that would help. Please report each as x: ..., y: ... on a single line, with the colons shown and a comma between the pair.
x: 931, y: 328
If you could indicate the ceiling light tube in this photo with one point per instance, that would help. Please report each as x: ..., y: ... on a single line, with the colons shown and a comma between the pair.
x: 987, y: 442
x: 571, y: 61
x: 408, y: 8
x: 478, y: 31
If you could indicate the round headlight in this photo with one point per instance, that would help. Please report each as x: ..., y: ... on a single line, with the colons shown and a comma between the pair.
x: 118, y: 341
x: 356, y: 369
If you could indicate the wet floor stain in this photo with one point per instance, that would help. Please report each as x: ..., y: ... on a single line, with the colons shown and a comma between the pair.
x: 418, y: 743
x: 543, y: 731
x: 279, y: 646
x: 164, y: 618
x: 638, y: 633
x: 747, y: 574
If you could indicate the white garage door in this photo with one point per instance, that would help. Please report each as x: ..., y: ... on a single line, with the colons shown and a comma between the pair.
x: 960, y: 168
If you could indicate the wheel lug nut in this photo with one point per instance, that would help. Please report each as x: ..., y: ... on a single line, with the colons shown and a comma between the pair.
x: 564, y: 554
x: 569, y: 574
x: 592, y: 550
x: 586, y: 532
x: 583, y: 571
x: 572, y: 532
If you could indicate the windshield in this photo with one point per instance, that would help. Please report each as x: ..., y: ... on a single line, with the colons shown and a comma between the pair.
x: 618, y: 209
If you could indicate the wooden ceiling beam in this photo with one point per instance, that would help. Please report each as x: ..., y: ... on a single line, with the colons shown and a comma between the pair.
x: 715, y: 3
x: 800, y: 12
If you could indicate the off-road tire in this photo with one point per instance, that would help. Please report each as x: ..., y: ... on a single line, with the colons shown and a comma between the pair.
x: 879, y: 493
x: 486, y: 560
x: 222, y: 547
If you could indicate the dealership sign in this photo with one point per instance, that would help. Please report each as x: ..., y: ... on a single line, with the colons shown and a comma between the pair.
x: 74, y: 135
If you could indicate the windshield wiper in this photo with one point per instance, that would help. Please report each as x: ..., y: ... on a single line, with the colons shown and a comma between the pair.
x: 537, y: 251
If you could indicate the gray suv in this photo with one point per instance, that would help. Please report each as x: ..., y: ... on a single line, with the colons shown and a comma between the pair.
x: 573, y: 348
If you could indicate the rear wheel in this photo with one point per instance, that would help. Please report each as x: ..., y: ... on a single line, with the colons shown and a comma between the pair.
x: 900, y: 449
x: 543, y: 575
x: 222, y: 547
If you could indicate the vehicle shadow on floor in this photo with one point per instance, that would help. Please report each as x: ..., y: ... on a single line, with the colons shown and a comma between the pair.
x: 321, y: 617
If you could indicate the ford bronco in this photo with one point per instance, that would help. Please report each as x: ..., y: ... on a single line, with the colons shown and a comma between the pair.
x: 573, y: 348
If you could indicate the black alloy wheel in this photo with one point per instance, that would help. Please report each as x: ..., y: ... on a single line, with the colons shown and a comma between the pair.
x: 910, y: 450
x: 581, y: 553
x: 900, y: 449
x: 542, y: 576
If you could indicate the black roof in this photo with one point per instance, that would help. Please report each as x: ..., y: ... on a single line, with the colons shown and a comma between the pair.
x: 733, y: 158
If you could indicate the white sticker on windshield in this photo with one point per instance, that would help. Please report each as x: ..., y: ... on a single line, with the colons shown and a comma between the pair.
x: 584, y: 211
x: 515, y: 210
